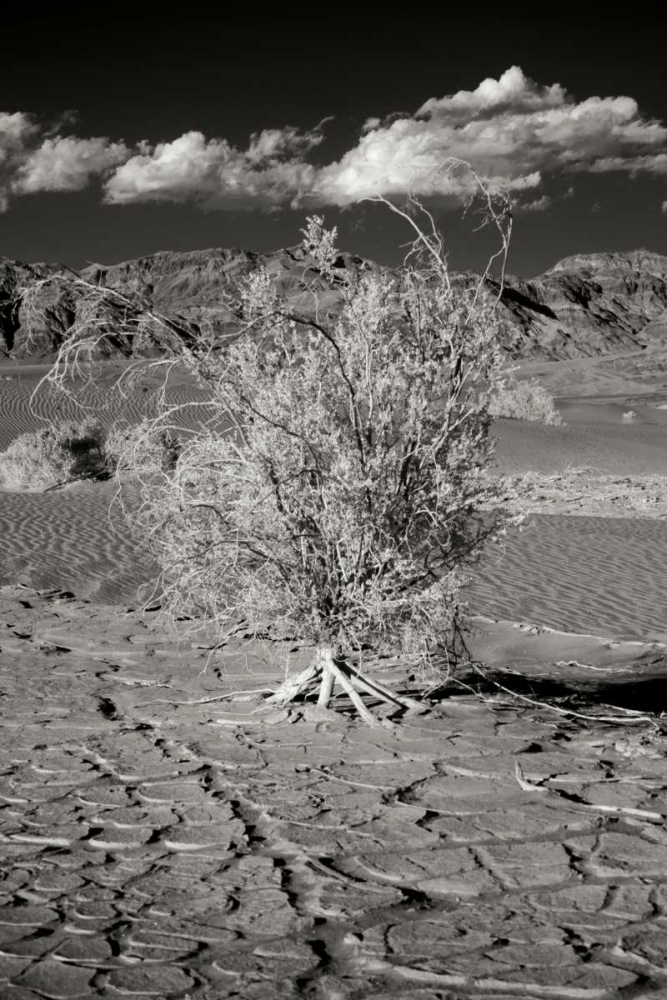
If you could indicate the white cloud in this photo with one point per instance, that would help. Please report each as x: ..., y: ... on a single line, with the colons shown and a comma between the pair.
x: 512, y: 90
x: 655, y: 163
x: 172, y: 171
x: 67, y: 164
x: 277, y: 143
x: 516, y: 133
x: 370, y: 124
x: 537, y: 205
x: 31, y: 160
x: 15, y: 131
x: 513, y: 131
x: 271, y: 172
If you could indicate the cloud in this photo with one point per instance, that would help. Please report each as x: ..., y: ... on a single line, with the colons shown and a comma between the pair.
x: 516, y: 133
x: 276, y: 143
x: 33, y: 160
x: 511, y: 91
x: 67, y: 164
x: 655, y: 163
x: 271, y: 172
x: 537, y: 205
x: 16, y: 130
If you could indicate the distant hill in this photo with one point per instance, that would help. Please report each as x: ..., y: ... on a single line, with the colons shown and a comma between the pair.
x: 586, y: 305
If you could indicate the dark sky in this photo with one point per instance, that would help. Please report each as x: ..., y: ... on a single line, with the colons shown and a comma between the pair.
x: 137, y: 72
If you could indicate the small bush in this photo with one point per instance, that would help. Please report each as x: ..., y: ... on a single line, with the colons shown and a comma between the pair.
x: 629, y: 417
x: 339, y: 491
x: 145, y: 448
x: 39, y: 460
x: 525, y: 401
x: 351, y: 496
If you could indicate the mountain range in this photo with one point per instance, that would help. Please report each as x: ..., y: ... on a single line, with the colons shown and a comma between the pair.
x: 585, y: 305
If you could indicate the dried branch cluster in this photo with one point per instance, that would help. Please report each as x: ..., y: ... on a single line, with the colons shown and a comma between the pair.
x: 337, y: 491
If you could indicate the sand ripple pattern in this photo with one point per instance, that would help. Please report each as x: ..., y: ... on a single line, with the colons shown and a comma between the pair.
x: 609, y: 447
x: 71, y: 539
x: 21, y: 409
x: 602, y: 576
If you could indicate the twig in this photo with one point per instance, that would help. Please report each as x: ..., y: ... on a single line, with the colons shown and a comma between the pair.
x: 614, y: 719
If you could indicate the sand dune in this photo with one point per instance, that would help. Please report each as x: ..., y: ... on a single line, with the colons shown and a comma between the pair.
x: 593, y: 436
x: 601, y: 576
x: 621, y: 375
x: 74, y: 539
x: 583, y: 574
x: 26, y: 406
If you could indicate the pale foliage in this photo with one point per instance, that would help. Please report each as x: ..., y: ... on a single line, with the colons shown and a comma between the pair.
x: 144, y: 446
x: 345, y: 502
x: 527, y: 400
x: 339, y: 489
x: 629, y: 417
x: 39, y: 460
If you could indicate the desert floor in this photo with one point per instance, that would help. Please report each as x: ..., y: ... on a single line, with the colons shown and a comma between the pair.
x: 165, y: 834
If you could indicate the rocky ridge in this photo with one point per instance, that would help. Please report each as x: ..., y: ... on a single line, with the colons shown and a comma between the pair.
x: 586, y: 305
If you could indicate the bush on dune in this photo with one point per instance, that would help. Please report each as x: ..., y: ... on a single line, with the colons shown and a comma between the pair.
x: 525, y: 401
x: 347, y: 502
x: 350, y: 491
x: 68, y: 452
x: 40, y: 460
x: 142, y: 448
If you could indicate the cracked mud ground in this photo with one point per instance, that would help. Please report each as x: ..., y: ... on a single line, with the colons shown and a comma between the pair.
x: 159, y: 841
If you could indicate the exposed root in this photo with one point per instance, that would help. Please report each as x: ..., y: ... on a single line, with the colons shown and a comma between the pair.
x: 325, y: 673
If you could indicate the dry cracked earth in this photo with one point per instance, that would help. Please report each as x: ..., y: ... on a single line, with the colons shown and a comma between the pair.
x: 162, y: 839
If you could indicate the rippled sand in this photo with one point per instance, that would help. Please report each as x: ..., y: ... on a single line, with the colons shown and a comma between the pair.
x: 581, y: 574
x: 25, y: 405
x: 76, y: 539
x: 597, y: 575
x: 593, y: 437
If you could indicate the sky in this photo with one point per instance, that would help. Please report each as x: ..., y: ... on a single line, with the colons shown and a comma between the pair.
x: 126, y: 129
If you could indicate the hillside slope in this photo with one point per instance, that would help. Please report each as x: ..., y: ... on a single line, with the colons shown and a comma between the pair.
x: 586, y: 305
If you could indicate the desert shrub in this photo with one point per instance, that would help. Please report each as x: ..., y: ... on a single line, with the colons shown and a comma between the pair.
x: 38, y: 460
x: 349, y: 492
x: 345, y: 502
x: 526, y: 400
x: 629, y: 417
x: 143, y: 448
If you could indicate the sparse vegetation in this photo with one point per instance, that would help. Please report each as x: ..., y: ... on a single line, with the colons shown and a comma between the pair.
x: 144, y: 446
x: 349, y: 492
x: 39, y: 460
x: 527, y: 400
